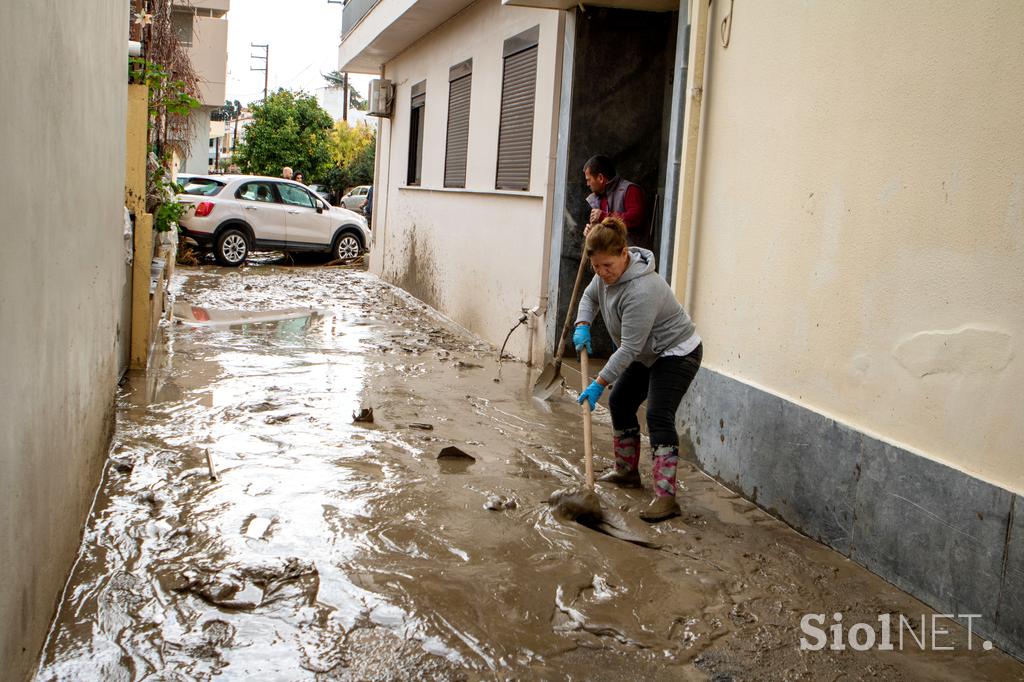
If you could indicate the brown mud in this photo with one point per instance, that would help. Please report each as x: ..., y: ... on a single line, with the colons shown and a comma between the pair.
x: 330, y: 548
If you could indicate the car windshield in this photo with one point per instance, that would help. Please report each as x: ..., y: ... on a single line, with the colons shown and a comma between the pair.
x: 202, y: 186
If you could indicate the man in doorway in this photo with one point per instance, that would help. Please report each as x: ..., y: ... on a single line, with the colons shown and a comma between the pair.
x: 615, y: 196
x: 286, y: 172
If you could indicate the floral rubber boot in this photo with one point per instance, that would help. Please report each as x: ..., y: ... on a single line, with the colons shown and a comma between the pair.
x: 664, y: 505
x: 626, y: 448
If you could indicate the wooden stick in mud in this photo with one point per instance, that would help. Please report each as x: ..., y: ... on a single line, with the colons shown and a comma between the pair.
x: 588, y: 446
x: 209, y: 463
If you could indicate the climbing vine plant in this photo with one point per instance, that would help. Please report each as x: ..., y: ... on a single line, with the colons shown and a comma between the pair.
x: 166, y: 70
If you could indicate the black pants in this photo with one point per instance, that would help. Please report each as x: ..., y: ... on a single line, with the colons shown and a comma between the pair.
x: 663, y: 386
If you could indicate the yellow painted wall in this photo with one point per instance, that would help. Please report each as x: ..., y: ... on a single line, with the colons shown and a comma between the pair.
x: 860, y: 219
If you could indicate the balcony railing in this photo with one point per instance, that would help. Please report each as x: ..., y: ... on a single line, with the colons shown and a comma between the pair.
x: 352, y: 12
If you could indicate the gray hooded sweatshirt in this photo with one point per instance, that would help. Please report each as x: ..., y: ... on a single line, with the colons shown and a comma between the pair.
x: 640, y: 311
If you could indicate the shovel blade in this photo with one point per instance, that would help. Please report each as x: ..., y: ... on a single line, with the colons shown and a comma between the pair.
x: 580, y: 504
x: 549, y: 382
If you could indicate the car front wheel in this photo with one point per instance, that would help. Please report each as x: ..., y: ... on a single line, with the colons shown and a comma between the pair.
x: 347, y: 247
x: 232, y: 248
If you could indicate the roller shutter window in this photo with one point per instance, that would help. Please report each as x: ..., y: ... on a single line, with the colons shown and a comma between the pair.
x: 457, y: 146
x: 518, y: 95
x: 416, y: 125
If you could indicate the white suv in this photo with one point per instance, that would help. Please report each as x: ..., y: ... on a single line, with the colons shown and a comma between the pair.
x: 236, y: 214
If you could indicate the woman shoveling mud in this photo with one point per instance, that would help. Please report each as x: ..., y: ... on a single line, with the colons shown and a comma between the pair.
x: 658, y: 353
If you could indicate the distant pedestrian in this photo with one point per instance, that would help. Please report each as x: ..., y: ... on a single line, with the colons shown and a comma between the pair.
x: 658, y: 354
x: 286, y: 172
x: 298, y: 178
x: 368, y: 205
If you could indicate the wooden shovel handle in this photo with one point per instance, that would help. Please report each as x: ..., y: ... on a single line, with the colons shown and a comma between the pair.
x: 572, y: 305
x: 588, y: 445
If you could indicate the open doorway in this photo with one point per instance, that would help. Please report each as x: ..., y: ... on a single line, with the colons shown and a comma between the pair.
x: 619, y: 104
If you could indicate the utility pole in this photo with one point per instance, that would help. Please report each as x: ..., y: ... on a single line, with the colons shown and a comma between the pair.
x: 265, y: 58
x: 344, y: 99
x: 234, y: 138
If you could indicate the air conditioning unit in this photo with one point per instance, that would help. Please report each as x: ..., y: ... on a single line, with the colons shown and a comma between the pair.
x: 382, y: 94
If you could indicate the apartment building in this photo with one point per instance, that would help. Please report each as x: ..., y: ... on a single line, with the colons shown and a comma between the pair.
x: 202, y: 28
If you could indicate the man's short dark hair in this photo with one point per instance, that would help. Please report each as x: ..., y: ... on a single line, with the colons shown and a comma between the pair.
x: 600, y: 165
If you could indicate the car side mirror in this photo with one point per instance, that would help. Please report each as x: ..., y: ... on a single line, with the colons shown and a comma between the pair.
x: 319, y: 206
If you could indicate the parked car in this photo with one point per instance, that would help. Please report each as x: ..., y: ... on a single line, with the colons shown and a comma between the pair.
x: 355, y: 197
x: 321, y: 191
x: 237, y: 214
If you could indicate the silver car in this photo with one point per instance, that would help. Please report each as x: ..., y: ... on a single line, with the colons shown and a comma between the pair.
x: 355, y: 198
x: 236, y: 214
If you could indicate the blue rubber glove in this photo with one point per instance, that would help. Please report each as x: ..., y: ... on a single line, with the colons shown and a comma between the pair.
x: 592, y: 394
x: 581, y: 337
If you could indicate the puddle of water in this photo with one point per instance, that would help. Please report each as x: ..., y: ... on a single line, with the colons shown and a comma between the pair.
x: 333, y: 549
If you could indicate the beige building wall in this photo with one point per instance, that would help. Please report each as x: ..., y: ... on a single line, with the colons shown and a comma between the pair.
x: 209, y: 56
x: 476, y: 254
x: 62, y: 122
x: 860, y: 219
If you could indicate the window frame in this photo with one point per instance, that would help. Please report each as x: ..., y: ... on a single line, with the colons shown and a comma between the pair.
x: 417, y: 120
x: 177, y: 24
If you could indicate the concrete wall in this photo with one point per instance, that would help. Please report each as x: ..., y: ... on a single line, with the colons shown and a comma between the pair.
x: 198, y: 160
x: 217, y: 5
x: 209, y: 57
x: 475, y: 254
x: 860, y: 226
x: 62, y: 122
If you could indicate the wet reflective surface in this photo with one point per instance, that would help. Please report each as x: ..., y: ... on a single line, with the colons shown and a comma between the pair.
x: 329, y: 548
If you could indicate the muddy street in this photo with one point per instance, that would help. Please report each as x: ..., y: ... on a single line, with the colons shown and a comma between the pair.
x: 329, y: 547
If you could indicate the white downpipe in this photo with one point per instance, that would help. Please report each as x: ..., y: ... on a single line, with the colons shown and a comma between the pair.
x: 683, y: 258
x: 551, y: 211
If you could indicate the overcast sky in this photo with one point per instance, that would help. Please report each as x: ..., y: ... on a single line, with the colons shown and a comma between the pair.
x: 303, y: 37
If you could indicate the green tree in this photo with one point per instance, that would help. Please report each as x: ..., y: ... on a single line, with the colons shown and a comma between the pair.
x: 288, y: 129
x: 352, y: 151
x: 229, y: 112
x: 362, y: 167
x: 349, y: 140
x: 336, y: 79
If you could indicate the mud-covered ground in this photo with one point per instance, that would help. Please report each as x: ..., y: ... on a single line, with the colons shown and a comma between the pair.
x: 328, y: 549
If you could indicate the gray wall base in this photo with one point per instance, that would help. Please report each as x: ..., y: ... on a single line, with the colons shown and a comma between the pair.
x: 951, y: 540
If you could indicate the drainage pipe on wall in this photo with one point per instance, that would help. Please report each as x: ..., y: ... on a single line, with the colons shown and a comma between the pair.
x: 377, y: 162
x: 680, y: 78
x: 683, y: 256
x: 554, y: 189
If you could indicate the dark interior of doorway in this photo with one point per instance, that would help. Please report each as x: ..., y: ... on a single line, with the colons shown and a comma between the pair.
x: 620, y: 106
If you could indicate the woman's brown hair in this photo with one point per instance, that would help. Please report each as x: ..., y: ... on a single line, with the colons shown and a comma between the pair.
x: 607, y: 236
